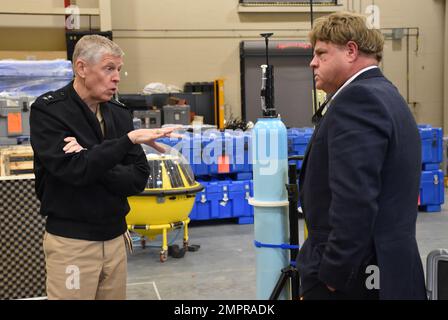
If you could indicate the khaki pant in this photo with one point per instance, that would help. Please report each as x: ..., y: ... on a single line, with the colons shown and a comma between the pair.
x: 85, y: 270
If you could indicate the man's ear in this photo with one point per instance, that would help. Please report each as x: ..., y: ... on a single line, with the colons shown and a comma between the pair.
x: 80, y: 68
x: 352, y: 50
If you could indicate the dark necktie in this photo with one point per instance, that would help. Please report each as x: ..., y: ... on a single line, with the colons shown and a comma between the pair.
x: 318, y: 115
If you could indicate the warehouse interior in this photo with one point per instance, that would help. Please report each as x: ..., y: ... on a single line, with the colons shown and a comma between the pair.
x: 197, y: 63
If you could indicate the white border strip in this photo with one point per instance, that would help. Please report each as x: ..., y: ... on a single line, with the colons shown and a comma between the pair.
x: 269, y: 204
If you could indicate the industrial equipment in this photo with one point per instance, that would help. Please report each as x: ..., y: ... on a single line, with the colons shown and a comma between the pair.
x: 167, y: 200
x: 270, y: 201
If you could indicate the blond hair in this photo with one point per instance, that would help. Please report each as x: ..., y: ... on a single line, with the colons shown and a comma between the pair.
x: 92, y: 47
x: 342, y: 27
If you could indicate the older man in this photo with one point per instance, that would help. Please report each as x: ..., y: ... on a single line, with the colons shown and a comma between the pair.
x: 360, y: 178
x: 87, y: 162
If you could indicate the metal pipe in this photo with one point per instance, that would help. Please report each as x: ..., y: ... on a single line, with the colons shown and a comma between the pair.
x: 315, y: 106
x: 407, y: 67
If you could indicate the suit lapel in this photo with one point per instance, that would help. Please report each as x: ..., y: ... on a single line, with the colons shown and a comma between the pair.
x: 317, y: 118
x: 307, y: 151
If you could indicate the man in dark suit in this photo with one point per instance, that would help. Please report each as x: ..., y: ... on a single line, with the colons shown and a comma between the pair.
x: 360, y: 178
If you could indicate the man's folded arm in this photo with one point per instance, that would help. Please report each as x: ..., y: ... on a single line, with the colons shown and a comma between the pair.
x: 79, y: 169
x: 129, y: 178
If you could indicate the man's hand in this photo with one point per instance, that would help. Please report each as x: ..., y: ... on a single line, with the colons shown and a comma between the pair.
x: 148, y: 136
x: 72, y: 145
x: 331, y: 289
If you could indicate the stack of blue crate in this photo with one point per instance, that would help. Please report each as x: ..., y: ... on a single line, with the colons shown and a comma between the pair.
x: 222, y: 199
x: 432, y: 194
x: 221, y: 162
x: 298, y: 139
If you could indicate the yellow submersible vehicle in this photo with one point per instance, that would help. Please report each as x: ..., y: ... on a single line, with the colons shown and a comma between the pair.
x: 167, y: 200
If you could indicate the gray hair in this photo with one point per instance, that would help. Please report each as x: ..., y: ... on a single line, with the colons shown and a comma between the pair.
x: 92, y: 47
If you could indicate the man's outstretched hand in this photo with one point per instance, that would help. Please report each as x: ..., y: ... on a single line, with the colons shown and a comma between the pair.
x: 140, y: 136
x: 148, y: 136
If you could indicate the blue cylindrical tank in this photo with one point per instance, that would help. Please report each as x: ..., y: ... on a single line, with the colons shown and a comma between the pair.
x: 270, y: 201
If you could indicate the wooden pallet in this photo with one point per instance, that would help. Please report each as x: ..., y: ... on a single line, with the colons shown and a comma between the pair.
x: 16, y: 160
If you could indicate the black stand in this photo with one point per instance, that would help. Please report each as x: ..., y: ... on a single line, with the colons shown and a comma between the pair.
x: 291, y: 273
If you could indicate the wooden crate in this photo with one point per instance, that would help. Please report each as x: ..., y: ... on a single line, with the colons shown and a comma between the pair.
x: 16, y: 160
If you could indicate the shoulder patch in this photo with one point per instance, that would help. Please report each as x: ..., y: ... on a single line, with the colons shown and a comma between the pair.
x: 118, y: 103
x: 54, y: 96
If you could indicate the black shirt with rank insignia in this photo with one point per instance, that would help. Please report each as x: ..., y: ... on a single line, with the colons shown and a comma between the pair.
x: 84, y: 194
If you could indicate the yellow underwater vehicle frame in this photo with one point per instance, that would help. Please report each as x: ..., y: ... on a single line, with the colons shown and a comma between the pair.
x: 165, y: 203
x: 142, y: 229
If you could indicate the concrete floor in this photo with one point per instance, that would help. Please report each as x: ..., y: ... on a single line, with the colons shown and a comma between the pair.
x: 224, y: 267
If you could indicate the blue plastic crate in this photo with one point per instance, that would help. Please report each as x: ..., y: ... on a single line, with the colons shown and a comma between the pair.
x: 298, y: 163
x: 203, y: 151
x: 191, y: 148
x: 222, y: 199
x: 209, y: 146
x: 248, y: 161
x: 298, y: 140
x: 432, y: 144
x: 234, y: 144
x: 430, y: 166
x: 240, y: 152
x: 237, y: 195
x: 299, y: 149
x: 234, y: 201
x: 248, y: 193
x: 226, y: 203
x: 247, y: 215
x: 207, y: 202
x: 431, y: 188
x: 194, y: 211
x: 222, y: 147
